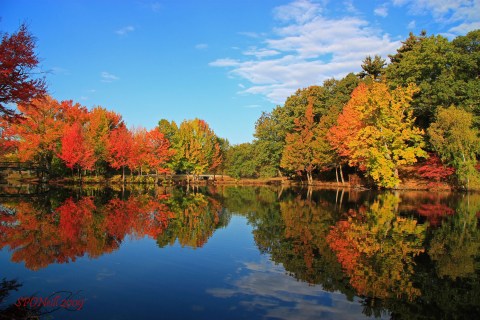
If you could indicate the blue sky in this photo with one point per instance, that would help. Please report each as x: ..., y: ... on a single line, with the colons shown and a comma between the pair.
x: 221, y: 61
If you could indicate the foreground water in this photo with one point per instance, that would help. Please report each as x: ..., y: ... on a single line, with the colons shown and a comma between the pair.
x: 238, y: 253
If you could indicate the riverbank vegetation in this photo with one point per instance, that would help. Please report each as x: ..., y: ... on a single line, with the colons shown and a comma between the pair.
x: 421, y: 109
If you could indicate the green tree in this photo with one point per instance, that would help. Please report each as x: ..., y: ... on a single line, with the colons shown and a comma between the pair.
x: 268, y: 145
x: 240, y: 161
x: 456, y: 141
x: 445, y: 72
x: 372, y: 67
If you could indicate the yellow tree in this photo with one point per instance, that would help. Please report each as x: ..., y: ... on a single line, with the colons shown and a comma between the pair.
x: 387, y: 137
x: 195, y: 146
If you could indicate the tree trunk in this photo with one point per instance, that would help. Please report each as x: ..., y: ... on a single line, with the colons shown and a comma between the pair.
x: 156, y: 176
x: 336, y: 174
x: 341, y: 174
x: 309, y: 193
x: 309, y: 178
x: 123, y: 174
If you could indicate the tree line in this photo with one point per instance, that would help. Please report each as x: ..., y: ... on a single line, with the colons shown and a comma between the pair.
x: 423, y: 104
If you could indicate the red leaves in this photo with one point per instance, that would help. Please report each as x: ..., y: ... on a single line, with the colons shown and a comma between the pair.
x: 119, y: 147
x: 158, y: 150
x: 17, y: 59
x: 75, y: 151
x: 435, y: 169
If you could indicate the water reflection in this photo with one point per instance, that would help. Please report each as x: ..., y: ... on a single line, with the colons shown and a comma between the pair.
x: 44, y: 231
x: 399, y: 255
x: 376, y: 247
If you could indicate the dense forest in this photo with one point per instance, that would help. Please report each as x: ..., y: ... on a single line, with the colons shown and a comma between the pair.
x: 422, y: 108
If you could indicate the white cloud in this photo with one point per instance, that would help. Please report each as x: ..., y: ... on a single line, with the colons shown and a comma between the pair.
x: 462, y: 15
x: 252, y: 106
x: 226, y: 62
x: 201, y: 46
x: 411, y: 25
x: 125, y: 30
x: 381, y: 11
x: 108, y: 77
x: 266, y: 287
x: 306, y: 48
x: 260, y: 53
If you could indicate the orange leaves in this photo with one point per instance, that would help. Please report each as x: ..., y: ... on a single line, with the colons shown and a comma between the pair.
x: 376, y: 131
x: 348, y: 124
x: 377, y: 249
x: 38, y: 129
x: 158, y: 150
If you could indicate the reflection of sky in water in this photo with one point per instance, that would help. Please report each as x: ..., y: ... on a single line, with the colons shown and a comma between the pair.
x: 142, y: 281
x: 225, y: 276
x: 265, y: 286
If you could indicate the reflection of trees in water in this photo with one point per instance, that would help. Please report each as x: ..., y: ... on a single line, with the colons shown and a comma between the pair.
x: 398, y: 266
x: 292, y: 230
x: 455, y: 246
x: 53, y: 230
x: 12, y: 311
x: 195, y: 217
x: 363, y: 247
x: 377, y: 247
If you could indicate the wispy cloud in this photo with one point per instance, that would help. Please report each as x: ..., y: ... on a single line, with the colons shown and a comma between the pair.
x: 411, y: 25
x: 381, y: 11
x: 305, y: 48
x: 249, y: 34
x: 201, y: 46
x: 266, y: 287
x: 125, y: 30
x: 461, y: 15
x: 252, y: 106
x: 108, y: 77
x: 349, y: 6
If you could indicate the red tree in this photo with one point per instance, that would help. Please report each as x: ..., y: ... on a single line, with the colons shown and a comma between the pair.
x: 75, y: 151
x: 17, y: 60
x: 435, y: 170
x: 119, y: 148
x: 158, y: 151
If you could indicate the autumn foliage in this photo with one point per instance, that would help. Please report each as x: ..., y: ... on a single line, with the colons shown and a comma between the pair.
x: 17, y: 60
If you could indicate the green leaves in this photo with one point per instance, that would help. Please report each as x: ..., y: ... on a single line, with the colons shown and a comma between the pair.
x: 456, y: 141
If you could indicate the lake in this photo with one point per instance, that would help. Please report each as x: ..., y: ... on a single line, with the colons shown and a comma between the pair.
x: 231, y: 252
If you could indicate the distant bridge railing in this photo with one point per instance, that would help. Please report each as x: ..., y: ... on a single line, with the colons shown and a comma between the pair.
x: 19, y: 166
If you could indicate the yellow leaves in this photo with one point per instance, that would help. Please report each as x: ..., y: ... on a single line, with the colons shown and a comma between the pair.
x: 377, y: 249
x: 387, y: 138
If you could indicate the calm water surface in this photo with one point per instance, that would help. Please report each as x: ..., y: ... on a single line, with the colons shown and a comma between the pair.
x: 238, y: 253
